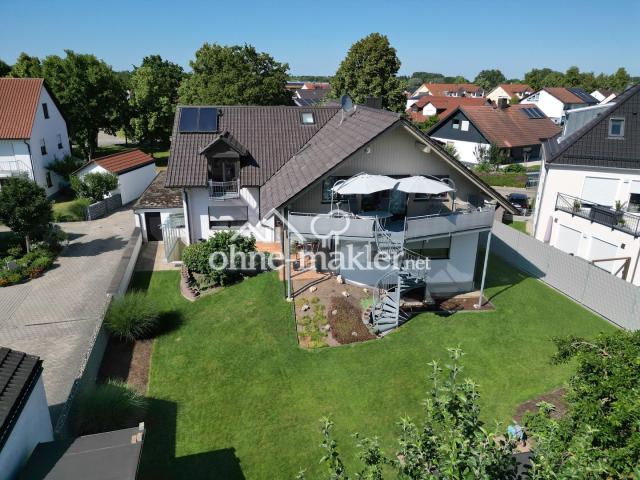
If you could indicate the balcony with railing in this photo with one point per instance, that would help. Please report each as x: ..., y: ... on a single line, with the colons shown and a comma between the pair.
x: 12, y: 167
x: 224, y: 190
x: 615, y: 219
x: 354, y: 225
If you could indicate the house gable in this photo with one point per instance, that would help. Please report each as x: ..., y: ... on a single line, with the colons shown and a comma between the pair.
x: 445, y: 129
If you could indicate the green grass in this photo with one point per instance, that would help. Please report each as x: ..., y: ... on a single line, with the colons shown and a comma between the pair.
x: 504, y: 179
x: 70, y: 210
x: 233, y: 396
x: 519, y: 225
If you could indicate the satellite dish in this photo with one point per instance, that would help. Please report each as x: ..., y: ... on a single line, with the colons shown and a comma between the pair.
x: 347, y: 106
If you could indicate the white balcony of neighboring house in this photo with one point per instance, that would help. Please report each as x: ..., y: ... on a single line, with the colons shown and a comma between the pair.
x: 10, y: 168
x: 223, y: 190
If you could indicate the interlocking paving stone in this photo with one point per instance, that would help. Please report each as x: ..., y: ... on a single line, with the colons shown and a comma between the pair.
x: 54, y: 316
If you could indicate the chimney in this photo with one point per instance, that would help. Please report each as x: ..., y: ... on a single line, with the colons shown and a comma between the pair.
x: 503, y: 103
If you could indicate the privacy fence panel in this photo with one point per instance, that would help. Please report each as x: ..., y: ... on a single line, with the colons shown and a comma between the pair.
x: 104, y: 207
x: 613, y: 298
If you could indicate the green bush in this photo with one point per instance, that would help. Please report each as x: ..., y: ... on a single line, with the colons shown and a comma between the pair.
x: 72, y: 211
x: 15, y: 251
x: 110, y: 406
x: 515, y: 168
x: 504, y: 179
x: 94, y: 186
x: 196, y: 257
x: 132, y: 317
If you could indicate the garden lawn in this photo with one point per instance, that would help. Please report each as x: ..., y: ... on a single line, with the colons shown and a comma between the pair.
x: 233, y: 396
x: 519, y: 225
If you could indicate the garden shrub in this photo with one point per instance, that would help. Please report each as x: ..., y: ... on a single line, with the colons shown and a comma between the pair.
x: 38, y: 266
x: 132, y: 317
x: 346, y: 321
x: 110, y: 406
x: 515, y: 168
x: 196, y: 257
x: 15, y: 251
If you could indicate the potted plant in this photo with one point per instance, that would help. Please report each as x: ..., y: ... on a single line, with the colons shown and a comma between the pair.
x: 576, y: 205
x: 619, y: 212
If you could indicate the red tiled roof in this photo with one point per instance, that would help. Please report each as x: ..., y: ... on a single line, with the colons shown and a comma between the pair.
x: 514, y: 88
x: 438, y: 89
x: 18, y: 104
x: 442, y: 103
x: 124, y: 161
x: 510, y: 127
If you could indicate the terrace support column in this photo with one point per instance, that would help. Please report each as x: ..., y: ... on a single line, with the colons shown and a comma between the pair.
x: 484, y: 272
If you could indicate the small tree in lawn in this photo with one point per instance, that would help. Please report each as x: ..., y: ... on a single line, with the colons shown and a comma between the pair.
x: 450, y: 441
x: 24, y: 208
x: 94, y: 186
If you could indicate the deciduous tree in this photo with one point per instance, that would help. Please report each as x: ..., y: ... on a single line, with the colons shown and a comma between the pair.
x: 370, y: 70
x: 489, y: 79
x: 90, y: 94
x: 24, y: 207
x: 94, y: 186
x: 235, y: 75
x: 154, y: 93
x: 4, y: 68
x: 26, y: 66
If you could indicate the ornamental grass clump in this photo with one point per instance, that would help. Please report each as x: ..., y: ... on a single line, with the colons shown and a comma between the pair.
x: 132, y: 317
x: 110, y: 406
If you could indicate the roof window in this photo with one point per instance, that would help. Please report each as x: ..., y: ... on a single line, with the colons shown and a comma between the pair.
x: 307, y: 118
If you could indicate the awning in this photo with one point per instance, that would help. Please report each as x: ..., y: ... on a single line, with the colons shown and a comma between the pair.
x: 364, y: 184
x: 228, y: 213
x: 420, y: 184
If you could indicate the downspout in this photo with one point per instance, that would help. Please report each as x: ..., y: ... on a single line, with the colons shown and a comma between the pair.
x: 33, y: 171
x: 185, y: 199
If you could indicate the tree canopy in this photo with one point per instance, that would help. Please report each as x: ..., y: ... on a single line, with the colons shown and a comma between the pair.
x: 5, y: 68
x: 26, y: 66
x: 90, y: 94
x: 235, y: 75
x: 24, y: 207
x: 94, y: 186
x: 599, y: 437
x: 154, y: 93
x: 369, y: 70
x: 489, y: 79
x: 539, y: 78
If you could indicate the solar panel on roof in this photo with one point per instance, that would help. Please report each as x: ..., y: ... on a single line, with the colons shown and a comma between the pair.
x: 198, y: 119
x: 533, y: 112
x: 208, y: 121
x: 188, y: 119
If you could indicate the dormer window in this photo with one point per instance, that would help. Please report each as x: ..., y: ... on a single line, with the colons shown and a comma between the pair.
x: 616, y: 128
x: 307, y: 118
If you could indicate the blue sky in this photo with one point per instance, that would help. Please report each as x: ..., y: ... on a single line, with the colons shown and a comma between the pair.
x: 460, y: 37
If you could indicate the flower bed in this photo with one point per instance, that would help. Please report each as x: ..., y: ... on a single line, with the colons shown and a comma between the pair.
x: 17, y: 265
x: 346, y: 324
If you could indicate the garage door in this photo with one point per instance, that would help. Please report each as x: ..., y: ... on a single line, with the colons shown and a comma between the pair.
x: 568, y: 239
x: 600, y: 249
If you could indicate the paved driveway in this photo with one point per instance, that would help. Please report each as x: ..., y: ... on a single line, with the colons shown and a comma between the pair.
x: 54, y: 316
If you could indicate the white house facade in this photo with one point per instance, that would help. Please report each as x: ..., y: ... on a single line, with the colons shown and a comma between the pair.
x: 588, y: 201
x: 553, y: 102
x: 24, y: 415
x: 33, y: 132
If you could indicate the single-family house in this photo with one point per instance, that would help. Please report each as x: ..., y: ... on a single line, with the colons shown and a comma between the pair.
x: 33, y: 132
x: 604, y: 95
x: 428, y: 106
x: 554, y: 101
x: 588, y: 200
x: 510, y: 91
x: 274, y: 172
x: 444, y: 90
x: 518, y: 129
x: 24, y: 413
x: 134, y: 168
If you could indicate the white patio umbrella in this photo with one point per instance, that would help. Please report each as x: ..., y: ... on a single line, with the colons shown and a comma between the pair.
x: 420, y: 184
x: 364, y: 184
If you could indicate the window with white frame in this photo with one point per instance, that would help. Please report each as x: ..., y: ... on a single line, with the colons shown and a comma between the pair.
x: 307, y: 118
x: 456, y: 124
x: 464, y: 125
x: 616, y: 127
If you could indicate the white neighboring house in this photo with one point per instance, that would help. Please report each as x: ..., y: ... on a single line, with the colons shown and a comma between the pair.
x: 508, y: 91
x: 588, y: 200
x: 554, y: 101
x: 33, y: 132
x: 134, y: 168
x: 604, y: 95
x: 24, y: 413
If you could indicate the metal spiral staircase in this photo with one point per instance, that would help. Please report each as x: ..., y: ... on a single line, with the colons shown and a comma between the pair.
x: 387, y: 312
